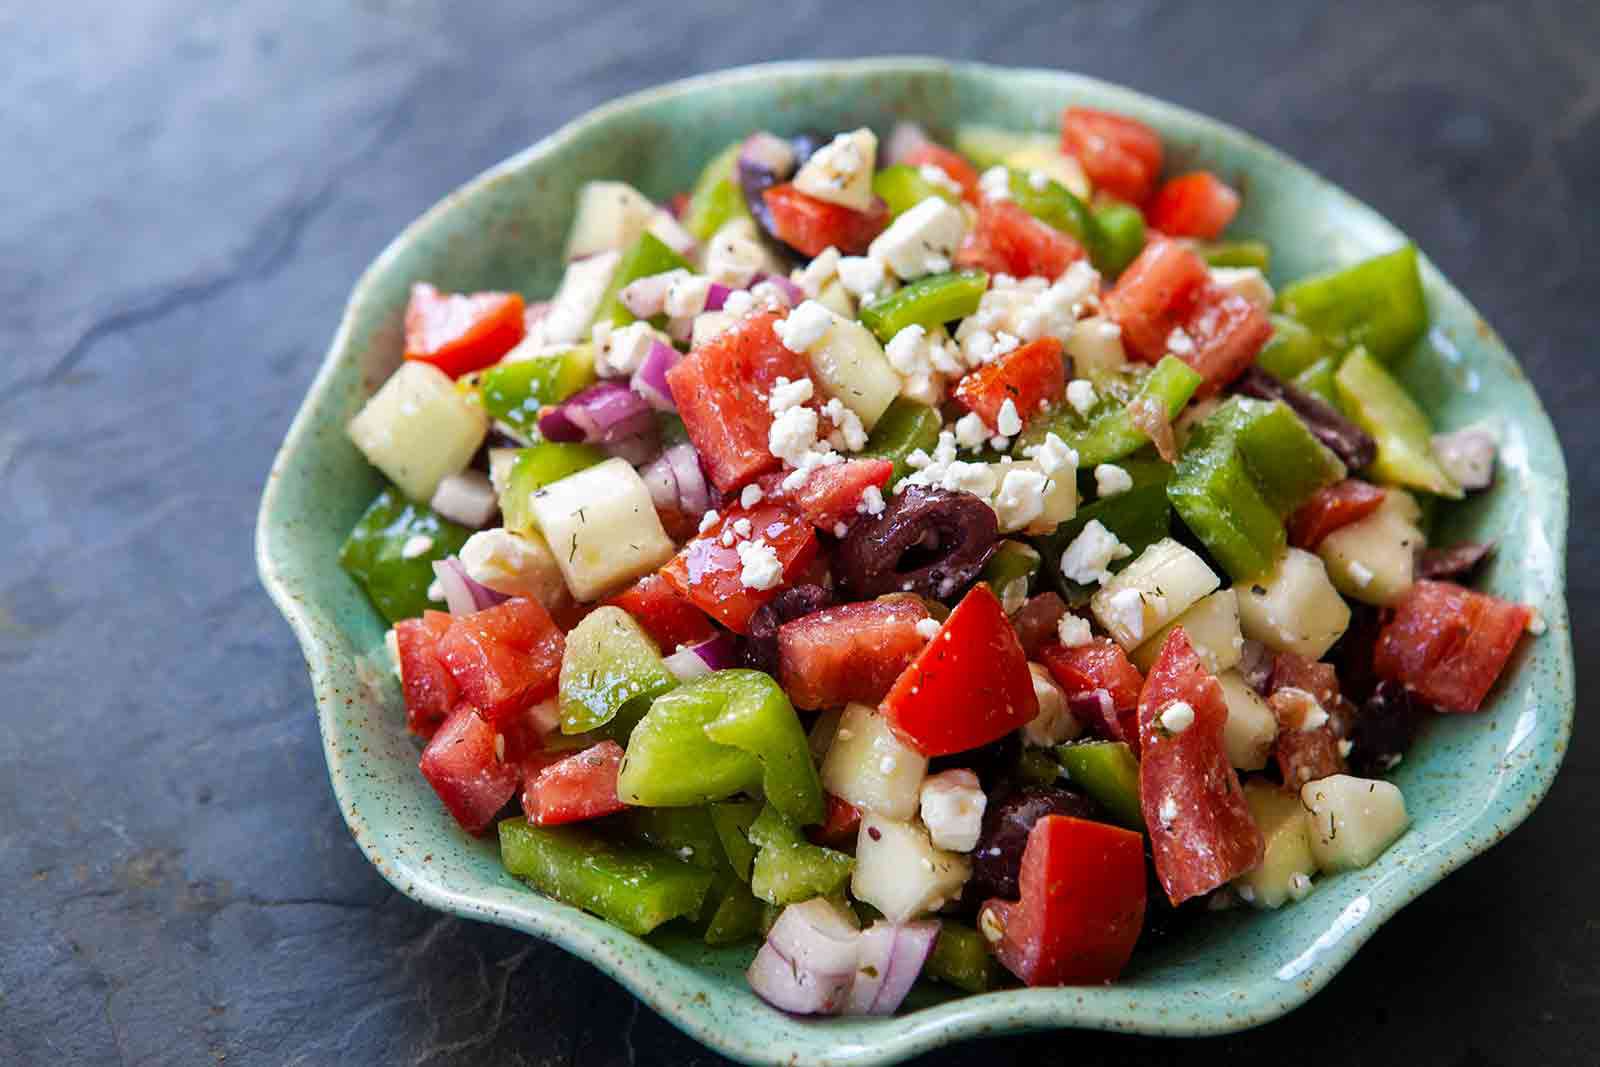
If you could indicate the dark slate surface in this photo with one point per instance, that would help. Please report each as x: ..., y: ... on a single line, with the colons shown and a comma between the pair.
x: 188, y: 191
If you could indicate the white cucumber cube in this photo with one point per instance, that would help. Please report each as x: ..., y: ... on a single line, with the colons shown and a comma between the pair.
x: 1251, y: 729
x: 602, y: 527
x: 418, y: 428
x: 900, y: 872
x: 1294, y: 608
x: 870, y: 767
x: 1165, y: 581
x: 1287, y: 865
x: 1352, y: 820
x: 611, y: 216
x: 1374, y: 560
x: 1213, y: 629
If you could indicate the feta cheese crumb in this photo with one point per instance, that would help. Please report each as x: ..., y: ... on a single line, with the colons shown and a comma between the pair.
x: 1247, y: 282
x: 952, y: 804
x: 1021, y: 498
x: 709, y: 519
x: 995, y: 183
x: 840, y: 529
x: 750, y: 496
x: 936, y: 177
x: 1008, y: 422
x: 792, y: 436
x: 735, y: 255
x: 1126, y: 608
x: 1090, y: 553
x: 804, y: 327
x: 1110, y: 479
x: 970, y: 431
x: 1168, y: 813
x: 759, y: 566
x: 849, y: 432
x: 435, y: 591
x: 1178, y: 716
x: 871, y: 501
x: 742, y: 527
x: 840, y: 172
x: 1180, y: 343
x: 922, y: 240
x: 862, y: 276
x: 1081, y: 395
x: 1053, y: 455
x: 624, y: 350
x: 786, y: 394
x: 1073, y: 630
x: 927, y: 628
x: 738, y: 303
x: 415, y: 545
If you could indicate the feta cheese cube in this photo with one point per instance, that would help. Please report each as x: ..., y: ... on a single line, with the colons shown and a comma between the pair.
x: 863, y: 276
x: 514, y: 564
x: 1081, y: 395
x: 735, y: 255
x: 952, y: 806
x: 840, y: 172
x: 1074, y: 630
x: 610, y: 217
x: 686, y: 296
x: 804, y: 327
x: 922, y: 240
x: 625, y: 349
x: 759, y: 565
x: 1020, y: 500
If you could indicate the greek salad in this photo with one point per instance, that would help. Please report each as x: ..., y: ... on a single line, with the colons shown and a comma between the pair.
x: 924, y: 563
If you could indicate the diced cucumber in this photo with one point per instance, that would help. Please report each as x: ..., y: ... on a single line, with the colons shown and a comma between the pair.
x: 1380, y: 405
x: 1286, y: 866
x: 987, y: 145
x: 382, y: 554
x: 1213, y: 628
x: 1046, y: 158
x: 603, y: 528
x: 900, y: 872
x: 1162, y: 583
x: 848, y: 363
x: 928, y: 302
x: 515, y: 391
x: 1251, y: 728
x: 609, y: 664
x: 1109, y: 772
x: 533, y: 469
x: 903, y: 188
x: 572, y: 310
x: 869, y: 766
x: 840, y: 172
x: 1294, y: 607
x: 1377, y: 303
x: 611, y: 215
x: 418, y: 428
x: 1352, y: 820
x: 903, y: 428
x: 1373, y: 560
x: 716, y: 197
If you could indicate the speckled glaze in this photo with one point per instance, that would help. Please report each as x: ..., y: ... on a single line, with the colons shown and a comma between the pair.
x: 1468, y: 783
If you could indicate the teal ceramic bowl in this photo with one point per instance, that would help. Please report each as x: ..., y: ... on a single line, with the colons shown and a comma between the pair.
x: 1469, y: 781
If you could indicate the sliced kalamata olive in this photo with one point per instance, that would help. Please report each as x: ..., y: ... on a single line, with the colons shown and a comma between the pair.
x: 761, y: 643
x: 1453, y: 562
x: 997, y: 860
x: 1383, y: 729
x: 1347, y: 440
x: 995, y: 764
x: 1037, y: 620
x: 765, y: 160
x: 928, y: 541
x: 1352, y: 654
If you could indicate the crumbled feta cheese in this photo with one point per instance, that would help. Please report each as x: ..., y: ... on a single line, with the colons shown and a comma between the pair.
x: 1110, y: 479
x: 1090, y: 553
x: 709, y: 519
x: 927, y: 628
x: 849, y: 432
x: 907, y: 350
x: 1021, y: 498
x: 1180, y: 343
x: 975, y: 478
x: 750, y: 496
x: 728, y: 537
x: 738, y: 303
x: 1081, y: 395
x: 415, y: 545
x: 735, y: 255
x: 936, y: 177
x: 922, y: 240
x: 1008, y: 422
x: 1247, y: 282
x: 1000, y: 443
x: 952, y: 804
x: 786, y: 394
x: 1125, y: 608
x: 995, y: 183
x: 823, y: 268
x: 624, y: 350
x: 793, y: 435
x: 862, y: 276
x: 1096, y: 342
x: 1177, y: 716
x: 840, y: 172
x: 1314, y: 719
x: 971, y: 433
x: 809, y: 460
x: 871, y: 501
x: 804, y: 327
x: 742, y: 527
x: 686, y: 297
x: 759, y: 565
x: 1168, y: 814
x: 770, y: 295
x: 1054, y: 456
x: 1073, y: 630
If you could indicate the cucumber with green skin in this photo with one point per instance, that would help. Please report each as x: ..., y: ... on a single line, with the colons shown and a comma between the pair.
x: 716, y: 199
x: 1380, y: 405
x: 609, y: 663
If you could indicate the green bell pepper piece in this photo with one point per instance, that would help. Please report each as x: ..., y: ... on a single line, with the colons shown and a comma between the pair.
x: 903, y: 187
x: 904, y: 427
x: 669, y: 424
x: 514, y: 392
x: 927, y: 302
x: 759, y: 719
x: 789, y: 869
x: 1381, y: 406
x: 687, y: 833
x: 987, y: 146
x: 1287, y: 463
x: 1291, y: 348
x: 1377, y: 303
x: 646, y: 256
x: 1217, y: 497
x: 716, y: 198
x: 635, y: 887
x: 1035, y: 766
x: 375, y: 553
x: 1054, y: 204
x: 736, y: 914
x: 1139, y: 516
x: 609, y: 662
x: 961, y: 958
x: 732, y: 819
x: 1012, y: 561
x: 1121, y: 229
x: 1236, y: 254
x: 1317, y: 379
x: 533, y: 469
x: 1109, y: 772
x: 1109, y: 433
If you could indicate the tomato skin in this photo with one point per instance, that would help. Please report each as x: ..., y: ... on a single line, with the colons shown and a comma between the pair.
x: 1100, y: 664
x: 1082, y: 888
x: 969, y: 686
x: 461, y: 332
x: 1154, y: 295
x: 580, y: 786
x: 1448, y: 644
x: 1201, y: 833
x: 505, y: 659
x: 1032, y: 377
x: 809, y: 225
x: 461, y: 765
x: 953, y: 163
x: 1227, y: 332
x: 431, y: 693
x: 1331, y: 507
x: 707, y: 572
x: 1197, y: 204
x: 669, y: 618
x: 1008, y: 240
x: 1121, y: 156
x: 830, y: 495
x: 1319, y: 679
x: 721, y: 390
x: 849, y: 653
x: 839, y: 827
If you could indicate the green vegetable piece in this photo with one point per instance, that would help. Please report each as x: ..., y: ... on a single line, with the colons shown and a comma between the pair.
x: 1035, y: 766
x: 1317, y: 379
x: 646, y: 256
x: 1286, y: 461
x: 1109, y: 772
x: 375, y: 553
x: 731, y: 819
x: 903, y: 187
x: 1012, y: 561
x: 1121, y: 229
x: 1110, y: 433
x: 1291, y: 348
x: 736, y: 915
x: 927, y: 302
x: 1053, y: 204
x: 671, y: 428
x: 533, y: 469
x: 687, y: 833
x: 1236, y: 254
x: 788, y: 869
x: 1377, y: 303
x: 962, y: 959
x: 635, y: 887
x: 514, y: 392
x: 609, y: 662
x: 728, y: 732
x: 1380, y: 405
x: 904, y: 427
x: 716, y: 198
x: 1217, y: 498
x: 1139, y: 517
x: 987, y: 146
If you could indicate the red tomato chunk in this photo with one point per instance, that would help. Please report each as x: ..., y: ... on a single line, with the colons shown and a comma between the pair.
x: 849, y: 653
x: 1331, y: 507
x: 1032, y: 377
x: 809, y: 225
x: 708, y: 572
x: 831, y: 495
x: 463, y: 765
x: 459, y: 333
x: 1193, y: 205
x: 581, y: 786
x: 954, y: 165
x: 671, y: 620
x: 505, y: 659
x: 1008, y: 240
x: 839, y: 828
x: 1201, y: 832
x: 1448, y: 644
x: 1082, y: 888
x: 430, y: 691
x: 1121, y: 156
x: 1100, y: 664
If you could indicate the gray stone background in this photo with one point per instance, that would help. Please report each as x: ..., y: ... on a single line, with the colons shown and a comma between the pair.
x: 188, y: 188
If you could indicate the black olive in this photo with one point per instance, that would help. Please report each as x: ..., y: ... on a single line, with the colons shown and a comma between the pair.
x: 1454, y: 562
x: 997, y: 860
x: 1344, y: 438
x: 761, y: 643
x: 1383, y: 729
x: 927, y: 541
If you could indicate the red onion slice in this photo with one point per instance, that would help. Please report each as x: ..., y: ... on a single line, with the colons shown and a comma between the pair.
x: 891, y: 957
x: 809, y: 960
x: 696, y: 661
x: 603, y: 413
x: 694, y: 495
x: 556, y: 426
x: 795, y: 294
x: 462, y: 595
x: 784, y: 985
x: 650, y: 380
x: 717, y: 296
x: 661, y: 481
x: 637, y: 450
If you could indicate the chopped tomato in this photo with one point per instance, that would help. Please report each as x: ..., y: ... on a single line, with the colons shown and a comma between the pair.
x: 709, y: 572
x: 721, y: 390
x: 1154, y: 296
x: 1008, y: 240
x: 1032, y: 377
x: 969, y: 686
x: 431, y: 693
x: 1331, y: 507
x: 954, y: 165
x: 1201, y: 833
x: 1100, y: 664
x: 850, y: 652
x: 459, y: 332
x: 464, y: 767
x: 1121, y: 156
x: 1082, y: 887
x: 505, y: 659
x: 1307, y: 749
x: 839, y: 827
x: 831, y: 495
x: 809, y: 225
x: 1037, y: 620
x: 529, y: 733
x: 1198, y: 204
x: 670, y: 619
x: 1319, y: 679
x: 1448, y: 644
x: 1225, y: 333
x: 581, y: 786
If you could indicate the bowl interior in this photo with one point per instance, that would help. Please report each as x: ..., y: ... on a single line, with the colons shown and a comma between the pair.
x: 1469, y: 781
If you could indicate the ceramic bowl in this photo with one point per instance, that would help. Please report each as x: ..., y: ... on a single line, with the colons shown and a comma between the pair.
x: 1469, y: 781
